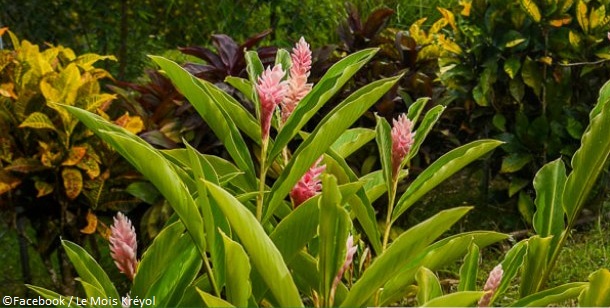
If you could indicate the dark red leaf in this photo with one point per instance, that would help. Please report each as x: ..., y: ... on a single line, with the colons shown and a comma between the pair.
x: 376, y: 22
x: 203, y: 53
x: 253, y: 40
x: 227, y: 49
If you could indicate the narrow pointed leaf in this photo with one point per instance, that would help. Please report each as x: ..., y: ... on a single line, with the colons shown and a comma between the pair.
x: 556, y: 295
x: 238, y: 286
x: 429, y: 286
x: 384, y: 144
x: 469, y: 269
x: 549, y: 183
x: 400, y: 253
x: 442, y: 169
x: 457, y: 299
x: 63, y: 301
x: 597, y: 293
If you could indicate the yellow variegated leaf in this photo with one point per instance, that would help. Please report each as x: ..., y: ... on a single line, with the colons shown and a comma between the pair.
x: 43, y: 188
x: 7, y: 182
x: 30, y: 53
x: 546, y: 60
x: 133, y: 124
x: 90, y: 166
x: 93, y: 102
x: 38, y: 120
x: 436, y: 27
x: 597, y: 17
x: 75, y: 156
x: 562, y: 21
x: 565, y: 6
x: 514, y: 42
x: 63, y: 87
x: 86, y: 61
x: 466, y: 6
x: 581, y: 16
x: 449, y: 45
x: 448, y: 16
x: 7, y: 90
x: 91, y: 226
x: 574, y: 39
x: 531, y: 9
x: 73, y: 182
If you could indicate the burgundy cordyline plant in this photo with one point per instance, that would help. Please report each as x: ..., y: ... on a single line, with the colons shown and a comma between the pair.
x: 492, y: 284
x: 297, y: 84
x: 402, y: 141
x: 309, y: 185
x: 123, y: 245
x: 349, y: 257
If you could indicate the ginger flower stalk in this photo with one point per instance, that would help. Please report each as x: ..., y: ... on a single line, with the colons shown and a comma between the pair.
x: 271, y: 91
x: 402, y: 141
x: 492, y: 284
x: 349, y: 258
x: 309, y: 185
x: 297, y: 84
x: 123, y: 245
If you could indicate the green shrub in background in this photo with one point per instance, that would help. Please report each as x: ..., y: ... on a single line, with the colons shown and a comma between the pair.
x: 53, y: 171
x: 525, y: 72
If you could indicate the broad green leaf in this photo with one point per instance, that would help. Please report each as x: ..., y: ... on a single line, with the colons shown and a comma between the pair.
x: 244, y: 86
x: 236, y: 112
x: 457, y: 299
x: 283, y: 57
x: 213, y: 301
x: 238, y: 286
x: 532, y: 75
x: 440, y: 170
x: 333, y: 231
x: 549, y: 183
x: 602, y: 101
x: 144, y: 191
x: 423, y: 129
x: 589, y: 160
x: 400, y: 253
x: 157, y: 274
x: 535, y: 264
x: 556, y: 295
x: 38, y: 120
x: 436, y: 256
x: 89, y: 270
x: 255, y: 69
x: 330, y: 84
x: 512, y: 66
x: 515, y: 162
x: 511, y: 265
x: 532, y: 10
x: 360, y: 205
x: 325, y: 134
x: 151, y: 163
x: 384, y: 145
x: 469, y: 269
x: 213, y: 113
x: 597, y: 293
x: 62, y: 301
x: 262, y: 252
x: 352, y: 140
x: 416, y: 109
x: 429, y: 286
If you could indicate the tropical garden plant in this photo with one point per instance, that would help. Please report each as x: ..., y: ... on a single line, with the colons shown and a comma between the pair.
x: 290, y: 251
x: 54, y: 174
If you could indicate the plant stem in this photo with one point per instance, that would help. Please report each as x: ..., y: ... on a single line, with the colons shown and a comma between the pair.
x: 208, y: 269
x: 388, y: 220
x: 261, y: 181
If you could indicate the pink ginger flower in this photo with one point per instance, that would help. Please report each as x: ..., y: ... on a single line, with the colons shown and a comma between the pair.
x: 123, y: 245
x: 402, y: 140
x: 492, y: 284
x: 297, y: 85
x: 309, y: 185
x: 349, y: 257
x: 271, y: 91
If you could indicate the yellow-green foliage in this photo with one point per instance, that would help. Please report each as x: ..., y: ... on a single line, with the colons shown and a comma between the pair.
x: 41, y: 143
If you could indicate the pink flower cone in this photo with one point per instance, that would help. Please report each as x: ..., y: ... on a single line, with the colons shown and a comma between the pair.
x: 297, y: 85
x: 492, y: 284
x: 271, y: 91
x: 309, y: 185
x: 349, y: 258
x: 402, y: 140
x: 123, y: 245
